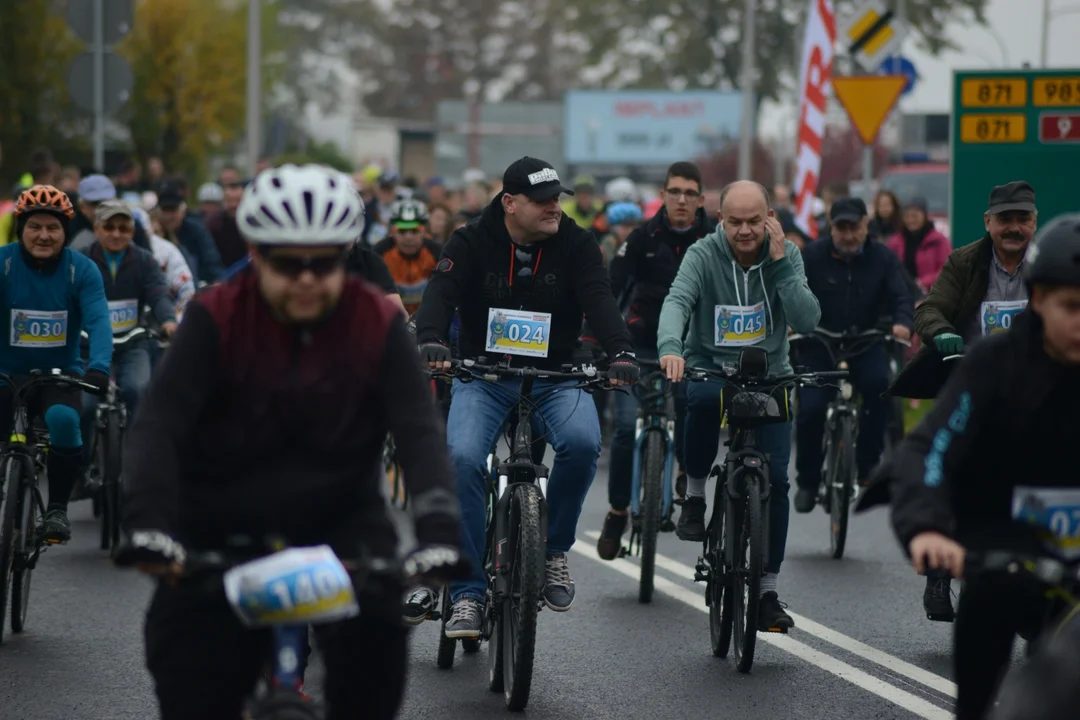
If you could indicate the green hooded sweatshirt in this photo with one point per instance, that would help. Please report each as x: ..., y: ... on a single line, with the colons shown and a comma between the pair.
x: 710, y: 277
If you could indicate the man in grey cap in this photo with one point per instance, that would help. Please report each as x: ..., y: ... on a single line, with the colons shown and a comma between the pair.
x: 979, y: 292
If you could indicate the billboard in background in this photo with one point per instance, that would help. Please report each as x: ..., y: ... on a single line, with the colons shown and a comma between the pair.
x: 632, y: 127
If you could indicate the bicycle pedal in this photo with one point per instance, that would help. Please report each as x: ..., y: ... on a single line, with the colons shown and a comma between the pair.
x: 778, y: 630
x: 941, y: 618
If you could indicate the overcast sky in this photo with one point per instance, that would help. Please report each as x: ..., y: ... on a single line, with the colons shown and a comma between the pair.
x: 1018, y: 29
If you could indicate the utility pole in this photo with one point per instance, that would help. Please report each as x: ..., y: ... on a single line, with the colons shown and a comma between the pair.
x: 99, y: 86
x: 254, y: 83
x: 1044, y: 49
x: 749, y: 75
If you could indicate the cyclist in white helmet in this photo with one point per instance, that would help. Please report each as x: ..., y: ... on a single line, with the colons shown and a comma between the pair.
x: 267, y: 419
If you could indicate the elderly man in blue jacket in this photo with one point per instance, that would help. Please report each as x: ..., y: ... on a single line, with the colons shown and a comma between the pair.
x: 857, y: 283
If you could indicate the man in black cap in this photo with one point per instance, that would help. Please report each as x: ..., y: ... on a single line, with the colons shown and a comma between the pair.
x: 521, y: 270
x: 856, y: 283
x: 195, y: 239
x: 979, y: 292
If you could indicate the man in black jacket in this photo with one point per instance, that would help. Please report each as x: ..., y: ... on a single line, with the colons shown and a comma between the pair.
x: 993, y: 467
x: 205, y: 259
x: 522, y: 276
x: 641, y: 276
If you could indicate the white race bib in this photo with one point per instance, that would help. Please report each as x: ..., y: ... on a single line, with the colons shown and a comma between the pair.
x: 518, y: 332
x: 37, y: 329
x: 295, y: 586
x: 995, y: 317
x: 1055, y: 513
x: 123, y: 315
x: 739, y: 325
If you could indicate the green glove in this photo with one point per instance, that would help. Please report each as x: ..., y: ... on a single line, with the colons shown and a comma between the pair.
x: 949, y: 343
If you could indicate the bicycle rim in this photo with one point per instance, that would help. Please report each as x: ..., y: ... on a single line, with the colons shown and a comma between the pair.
x: 13, y: 470
x: 492, y: 631
x: 518, y: 619
x: 840, y: 484
x: 101, y: 499
x: 447, y: 646
x: 25, y: 545
x: 652, y: 497
x: 747, y: 584
x: 720, y: 608
x: 112, y: 481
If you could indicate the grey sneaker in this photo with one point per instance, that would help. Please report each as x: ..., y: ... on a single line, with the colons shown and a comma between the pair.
x: 559, y: 588
x: 465, y: 619
x: 418, y: 606
x: 54, y: 527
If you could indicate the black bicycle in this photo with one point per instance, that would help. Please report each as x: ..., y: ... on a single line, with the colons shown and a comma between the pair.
x: 23, y: 460
x: 515, y: 549
x: 736, y: 540
x: 839, y: 474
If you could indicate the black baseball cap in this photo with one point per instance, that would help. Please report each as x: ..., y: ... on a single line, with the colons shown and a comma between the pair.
x: 1017, y: 195
x: 533, y: 178
x: 847, y: 209
x: 170, y: 195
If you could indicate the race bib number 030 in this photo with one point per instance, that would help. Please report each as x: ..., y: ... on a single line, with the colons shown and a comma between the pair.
x: 739, y: 325
x: 998, y: 317
x: 123, y: 315
x: 518, y: 332
x: 1055, y: 513
x: 295, y: 586
x: 37, y: 329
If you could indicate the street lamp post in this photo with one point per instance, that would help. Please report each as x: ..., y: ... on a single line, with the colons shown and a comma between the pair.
x: 254, y: 84
x: 749, y: 70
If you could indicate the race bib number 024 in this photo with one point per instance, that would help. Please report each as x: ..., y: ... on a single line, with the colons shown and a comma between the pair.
x: 295, y: 586
x: 518, y: 332
x: 738, y: 325
x: 1055, y: 513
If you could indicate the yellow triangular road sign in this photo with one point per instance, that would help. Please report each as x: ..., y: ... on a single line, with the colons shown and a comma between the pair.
x: 868, y: 99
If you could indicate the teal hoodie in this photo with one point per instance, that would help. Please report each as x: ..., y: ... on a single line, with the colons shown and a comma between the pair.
x: 709, y: 277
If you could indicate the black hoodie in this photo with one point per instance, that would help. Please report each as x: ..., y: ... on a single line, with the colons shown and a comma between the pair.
x: 481, y: 269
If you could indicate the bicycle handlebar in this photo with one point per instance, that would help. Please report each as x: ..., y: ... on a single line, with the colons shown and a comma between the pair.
x: 135, y: 332
x: 1047, y: 570
x: 54, y: 377
x: 732, y: 376
x: 470, y: 368
x: 819, y: 333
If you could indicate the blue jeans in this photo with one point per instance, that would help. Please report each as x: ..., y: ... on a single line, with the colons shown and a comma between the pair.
x: 478, y: 413
x: 870, y: 377
x: 622, y: 443
x: 131, y: 368
x: 703, y: 442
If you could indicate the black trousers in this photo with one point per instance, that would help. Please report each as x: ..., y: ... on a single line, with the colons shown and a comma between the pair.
x: 205, y: 663
x: 993, y: 609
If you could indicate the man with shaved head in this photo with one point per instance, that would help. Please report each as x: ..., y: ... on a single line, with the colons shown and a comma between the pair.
x: 740, y: 286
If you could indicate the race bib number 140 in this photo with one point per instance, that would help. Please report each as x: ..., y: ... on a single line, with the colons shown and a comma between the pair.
x: 518, y: 332
x: 1054, y: 513
x: 998, y: 317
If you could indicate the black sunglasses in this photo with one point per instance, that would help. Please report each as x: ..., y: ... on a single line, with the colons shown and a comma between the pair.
x: 293, y: 266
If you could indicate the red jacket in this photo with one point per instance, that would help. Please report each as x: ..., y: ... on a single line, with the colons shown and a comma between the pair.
x: 929, y: 258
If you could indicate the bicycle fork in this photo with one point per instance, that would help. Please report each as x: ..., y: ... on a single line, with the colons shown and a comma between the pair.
x: 641, y: 433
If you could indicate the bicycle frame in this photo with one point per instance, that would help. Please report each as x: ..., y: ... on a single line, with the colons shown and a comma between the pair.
x: 743, y: 460
x: 657, y: 414
x: 22, y: 447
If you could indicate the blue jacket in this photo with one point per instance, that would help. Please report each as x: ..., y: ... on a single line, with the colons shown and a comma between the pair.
x: 45, y: 312
x: 203, y: 255
x: 858, y: 294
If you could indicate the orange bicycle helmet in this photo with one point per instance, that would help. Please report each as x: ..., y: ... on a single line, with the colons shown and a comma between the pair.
x: 44, y: 199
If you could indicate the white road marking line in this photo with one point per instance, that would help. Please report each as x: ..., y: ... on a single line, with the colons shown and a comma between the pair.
x: 822, y: 632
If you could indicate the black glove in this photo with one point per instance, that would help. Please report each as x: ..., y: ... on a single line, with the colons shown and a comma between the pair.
x: 433, y: 352
x: 435, y: 563
x: 624, y: 367
x: 150, y: 547
x: 98, y: 379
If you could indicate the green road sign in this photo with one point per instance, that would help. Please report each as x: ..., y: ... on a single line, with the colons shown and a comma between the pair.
x: 1013, y: 125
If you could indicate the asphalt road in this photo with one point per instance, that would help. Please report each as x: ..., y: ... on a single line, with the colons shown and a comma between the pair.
x: 861, y: 649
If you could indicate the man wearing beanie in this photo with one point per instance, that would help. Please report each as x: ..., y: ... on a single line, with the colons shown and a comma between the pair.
x: 50, y: 295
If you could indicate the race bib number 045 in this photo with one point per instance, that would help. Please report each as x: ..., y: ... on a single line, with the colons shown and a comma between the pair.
x: 1055, y: 513
x: 739, y: 325
x: 518, y: 332
x: 295, y: 586
x: 37, y: 329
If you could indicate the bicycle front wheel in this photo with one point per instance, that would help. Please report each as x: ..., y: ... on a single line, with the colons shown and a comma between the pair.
x: 26, y: 544
x: 840, y: 482
x: 13, y: 481
x: 719, y: 599
x: 518, y: 617
x: 745, y: 584
x: 110, y: 517
x: 652, y: 498
x: 101, y: 501
x: 447, y: 646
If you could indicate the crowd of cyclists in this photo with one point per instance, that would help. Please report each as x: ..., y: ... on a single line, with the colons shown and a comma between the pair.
x: 295, y: 359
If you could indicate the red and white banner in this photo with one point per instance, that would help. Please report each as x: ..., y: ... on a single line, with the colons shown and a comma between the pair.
x: 814, y: 80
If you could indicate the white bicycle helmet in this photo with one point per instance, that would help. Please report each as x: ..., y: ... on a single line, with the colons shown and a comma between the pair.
x: 621, y: 189
x: 305, y: 205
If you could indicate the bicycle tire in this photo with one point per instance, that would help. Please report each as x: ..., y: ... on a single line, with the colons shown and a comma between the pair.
x: 720, y: 609
x: 470, y: 646
x: 13, y: 469
x: 101, y: 457
x: 752, y: 539
x: 111, y: 487
x: 444, y: 659
x: 25, y: 545
x: 650, y: 510
x: 518, y: 624
x: 841, y: 483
